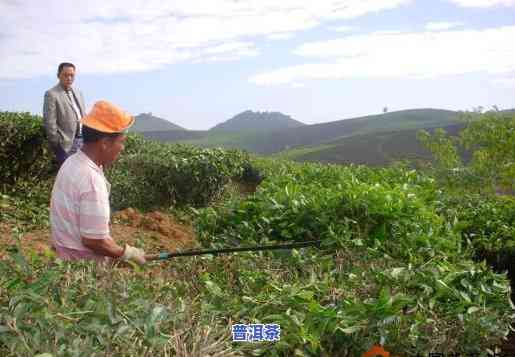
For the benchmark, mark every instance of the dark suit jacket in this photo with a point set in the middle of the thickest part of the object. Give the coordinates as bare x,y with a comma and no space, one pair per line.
59,118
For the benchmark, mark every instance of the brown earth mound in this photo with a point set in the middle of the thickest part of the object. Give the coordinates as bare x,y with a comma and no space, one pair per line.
155,232
156,222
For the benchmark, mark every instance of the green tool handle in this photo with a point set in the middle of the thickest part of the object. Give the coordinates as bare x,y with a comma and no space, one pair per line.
189,253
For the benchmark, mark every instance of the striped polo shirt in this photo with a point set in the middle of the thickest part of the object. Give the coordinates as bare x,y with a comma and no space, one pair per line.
79,207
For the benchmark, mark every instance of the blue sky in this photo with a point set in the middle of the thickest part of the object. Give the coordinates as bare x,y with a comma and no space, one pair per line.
198,63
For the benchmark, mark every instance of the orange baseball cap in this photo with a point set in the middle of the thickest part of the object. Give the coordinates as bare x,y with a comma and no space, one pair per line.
107,118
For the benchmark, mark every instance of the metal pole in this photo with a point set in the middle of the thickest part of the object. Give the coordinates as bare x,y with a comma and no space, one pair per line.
187,253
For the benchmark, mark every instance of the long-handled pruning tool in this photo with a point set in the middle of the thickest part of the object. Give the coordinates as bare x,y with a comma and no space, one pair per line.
188,253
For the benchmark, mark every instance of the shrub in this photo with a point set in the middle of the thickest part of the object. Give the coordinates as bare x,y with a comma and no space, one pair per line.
392,269
24,154
151,174
490,138
486,222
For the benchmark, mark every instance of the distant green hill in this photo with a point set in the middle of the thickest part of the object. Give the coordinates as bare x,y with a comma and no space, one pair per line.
269,142
175,135
147,122
374,149
322,133
249,120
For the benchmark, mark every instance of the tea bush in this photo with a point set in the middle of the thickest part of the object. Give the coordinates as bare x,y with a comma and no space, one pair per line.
485,222
85,310
311,201
24,153
401,254
151,174
329,302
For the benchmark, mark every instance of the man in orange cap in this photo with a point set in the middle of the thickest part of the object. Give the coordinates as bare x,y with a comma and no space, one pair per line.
79,206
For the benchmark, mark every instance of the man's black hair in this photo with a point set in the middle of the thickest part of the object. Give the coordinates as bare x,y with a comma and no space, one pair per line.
62,65
90,135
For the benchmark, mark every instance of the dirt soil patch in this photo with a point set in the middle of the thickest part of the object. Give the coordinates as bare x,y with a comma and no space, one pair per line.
155,232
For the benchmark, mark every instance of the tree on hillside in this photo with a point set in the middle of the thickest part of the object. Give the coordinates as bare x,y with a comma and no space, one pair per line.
443,147
489,137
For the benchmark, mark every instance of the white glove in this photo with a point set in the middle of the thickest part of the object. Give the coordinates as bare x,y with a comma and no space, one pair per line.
134,254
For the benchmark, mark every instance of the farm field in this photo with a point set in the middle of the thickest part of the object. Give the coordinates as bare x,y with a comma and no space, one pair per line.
405,262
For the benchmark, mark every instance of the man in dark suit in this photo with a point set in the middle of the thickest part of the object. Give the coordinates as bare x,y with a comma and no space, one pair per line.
63,109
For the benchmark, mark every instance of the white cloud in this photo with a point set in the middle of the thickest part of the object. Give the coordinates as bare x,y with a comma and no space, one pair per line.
387,32
141,35
280,36
508,82
442,25
230,51
342,28
297,85
483,3
407,55
238,48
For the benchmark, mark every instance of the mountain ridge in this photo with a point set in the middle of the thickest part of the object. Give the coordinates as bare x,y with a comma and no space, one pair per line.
250,120
147,122
272,141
